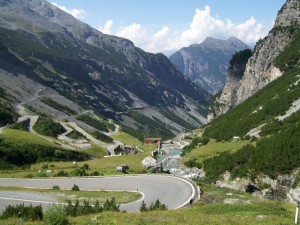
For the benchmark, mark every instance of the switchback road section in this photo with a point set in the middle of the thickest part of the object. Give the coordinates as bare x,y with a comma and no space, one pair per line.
172,191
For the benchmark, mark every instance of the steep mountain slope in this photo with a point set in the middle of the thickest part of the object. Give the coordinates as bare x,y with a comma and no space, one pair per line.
47,52
269,164
260,69
206,64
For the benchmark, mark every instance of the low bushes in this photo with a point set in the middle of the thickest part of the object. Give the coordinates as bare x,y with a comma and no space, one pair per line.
27,212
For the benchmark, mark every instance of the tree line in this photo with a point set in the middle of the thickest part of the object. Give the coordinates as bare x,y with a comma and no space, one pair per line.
273,155
13,155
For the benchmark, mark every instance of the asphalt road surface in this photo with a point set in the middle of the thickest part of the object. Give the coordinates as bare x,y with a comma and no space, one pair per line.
172,191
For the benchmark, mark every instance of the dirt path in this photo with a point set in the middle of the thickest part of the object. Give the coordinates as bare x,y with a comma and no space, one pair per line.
294,108
90,137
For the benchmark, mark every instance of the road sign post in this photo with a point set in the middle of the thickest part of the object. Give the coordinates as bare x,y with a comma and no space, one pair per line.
297,211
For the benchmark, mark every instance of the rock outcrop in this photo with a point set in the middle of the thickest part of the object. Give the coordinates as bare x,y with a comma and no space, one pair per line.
284,187
260,69
150,163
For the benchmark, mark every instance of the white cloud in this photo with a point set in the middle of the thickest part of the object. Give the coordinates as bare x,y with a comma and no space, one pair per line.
203,25
77,13
132,31
107,29
158,40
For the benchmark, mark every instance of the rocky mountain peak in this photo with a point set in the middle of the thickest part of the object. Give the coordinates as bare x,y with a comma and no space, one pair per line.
260,69
289,14
206,63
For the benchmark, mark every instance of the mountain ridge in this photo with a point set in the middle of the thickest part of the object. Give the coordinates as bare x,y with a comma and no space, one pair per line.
97,71
256,76
206,63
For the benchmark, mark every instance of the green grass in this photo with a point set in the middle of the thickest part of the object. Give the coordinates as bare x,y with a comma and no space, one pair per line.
209,210
24,137
215,148
105,166
91,196
127,139
95,150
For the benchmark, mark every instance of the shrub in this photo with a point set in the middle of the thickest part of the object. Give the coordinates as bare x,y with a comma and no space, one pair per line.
90,120
153,206
85,166
84,209
56,215
75,188
55,187
79,172
111,205
96,173
143,207
41,174
102,137
192,162
48,127
76,135
45,166
62,174
28,212
21,126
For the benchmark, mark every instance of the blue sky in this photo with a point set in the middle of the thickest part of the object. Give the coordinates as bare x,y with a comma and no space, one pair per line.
168,25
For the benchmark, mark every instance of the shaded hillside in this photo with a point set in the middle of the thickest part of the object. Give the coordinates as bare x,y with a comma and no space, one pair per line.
44,48
275,109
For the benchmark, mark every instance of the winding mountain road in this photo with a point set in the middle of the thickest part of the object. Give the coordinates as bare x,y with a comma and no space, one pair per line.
174,192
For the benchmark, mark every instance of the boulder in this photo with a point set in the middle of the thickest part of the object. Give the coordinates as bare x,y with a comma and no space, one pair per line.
149,163
122,168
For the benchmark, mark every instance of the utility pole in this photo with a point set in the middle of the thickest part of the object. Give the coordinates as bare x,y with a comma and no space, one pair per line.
20,218
157,131
145,132
297,211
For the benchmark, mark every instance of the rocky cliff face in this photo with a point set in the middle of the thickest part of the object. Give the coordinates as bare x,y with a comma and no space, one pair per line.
206,64
283,188
260,69
51,49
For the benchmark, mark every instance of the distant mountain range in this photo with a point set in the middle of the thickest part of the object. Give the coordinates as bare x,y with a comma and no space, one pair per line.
207,63
46,52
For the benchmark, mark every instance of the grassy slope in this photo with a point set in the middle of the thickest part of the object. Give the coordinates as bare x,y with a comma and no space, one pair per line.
127,139
276,151
95,150
265,105
91,196
215,148
24,137
105,166
209,210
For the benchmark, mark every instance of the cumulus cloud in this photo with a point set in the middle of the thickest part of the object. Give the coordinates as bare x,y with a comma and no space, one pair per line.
77,13
107,29
203,25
